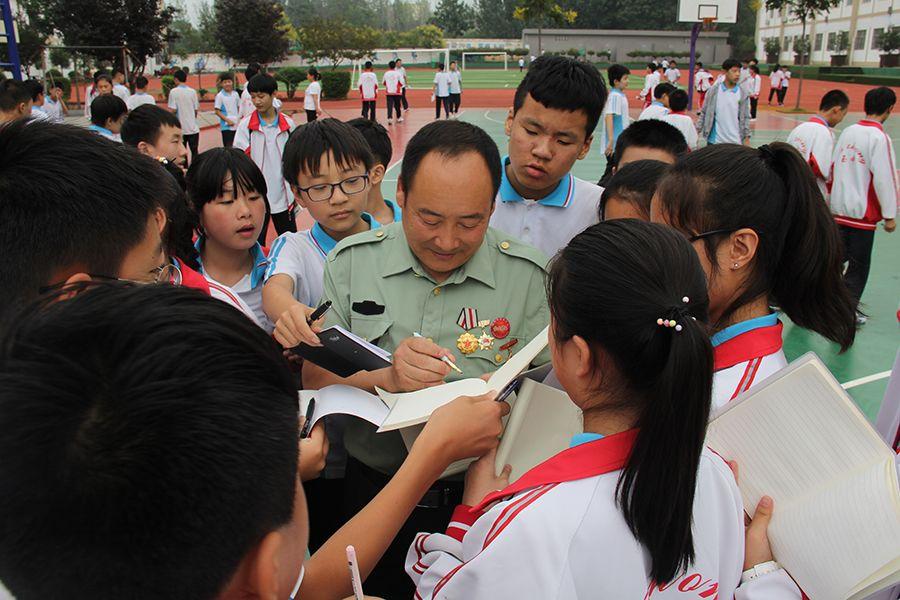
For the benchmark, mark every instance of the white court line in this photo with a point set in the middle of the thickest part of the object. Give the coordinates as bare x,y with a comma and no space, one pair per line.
388,170
865,380
487,115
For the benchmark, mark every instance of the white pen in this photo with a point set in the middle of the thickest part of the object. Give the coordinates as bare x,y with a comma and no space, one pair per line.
444,359
355,580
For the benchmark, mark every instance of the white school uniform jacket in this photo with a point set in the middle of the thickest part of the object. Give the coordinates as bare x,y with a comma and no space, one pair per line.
865,183
558,533
393,82
368,86
650,82
455,82
265,145
702,80
744,360
140,99
656,110
249,288
672,76
442,84
754,84
550,223
122,92
685,124
617,106
815,141
246,107
194,280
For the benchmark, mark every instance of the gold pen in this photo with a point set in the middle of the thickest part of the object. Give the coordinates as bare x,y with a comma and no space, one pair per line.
446,360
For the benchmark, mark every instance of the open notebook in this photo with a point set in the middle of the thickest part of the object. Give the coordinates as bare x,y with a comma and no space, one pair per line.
413,408
799,438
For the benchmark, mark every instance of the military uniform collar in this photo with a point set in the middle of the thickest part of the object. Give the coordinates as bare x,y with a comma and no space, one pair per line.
400,259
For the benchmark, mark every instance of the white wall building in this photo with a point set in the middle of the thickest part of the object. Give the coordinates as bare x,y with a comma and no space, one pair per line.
863,20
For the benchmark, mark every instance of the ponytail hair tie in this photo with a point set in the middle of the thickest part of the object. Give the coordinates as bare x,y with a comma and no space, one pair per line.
767,154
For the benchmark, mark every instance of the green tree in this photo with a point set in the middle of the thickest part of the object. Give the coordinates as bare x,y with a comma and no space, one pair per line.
423,36
336,41
492,19
804,10
264,38
542,12
60,58
209,40
454,17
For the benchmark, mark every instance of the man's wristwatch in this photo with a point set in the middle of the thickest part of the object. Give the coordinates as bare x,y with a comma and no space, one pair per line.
759,570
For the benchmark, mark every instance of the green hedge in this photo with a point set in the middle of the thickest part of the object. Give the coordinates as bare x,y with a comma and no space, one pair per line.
292,77
168,82
335,85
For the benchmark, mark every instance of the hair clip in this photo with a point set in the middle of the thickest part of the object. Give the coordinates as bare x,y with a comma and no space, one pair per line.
685,299
669,323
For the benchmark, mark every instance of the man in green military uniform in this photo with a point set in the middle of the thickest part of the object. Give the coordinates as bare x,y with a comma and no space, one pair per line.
473,294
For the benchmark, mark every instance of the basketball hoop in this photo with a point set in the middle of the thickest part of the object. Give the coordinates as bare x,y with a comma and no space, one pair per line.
709,24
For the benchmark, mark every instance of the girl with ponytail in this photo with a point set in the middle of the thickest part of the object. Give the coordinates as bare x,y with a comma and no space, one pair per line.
764,237
636,507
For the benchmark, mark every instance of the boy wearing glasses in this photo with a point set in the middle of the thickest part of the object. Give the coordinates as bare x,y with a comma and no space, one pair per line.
262,135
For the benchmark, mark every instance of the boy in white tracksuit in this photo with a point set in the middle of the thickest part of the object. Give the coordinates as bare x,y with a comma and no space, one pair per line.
864,191
815,138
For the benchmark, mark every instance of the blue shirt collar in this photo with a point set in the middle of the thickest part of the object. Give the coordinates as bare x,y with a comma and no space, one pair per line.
732,331
733,90
657,103
325,243
560,197
617,91
101,130
260,262
398,212
584,438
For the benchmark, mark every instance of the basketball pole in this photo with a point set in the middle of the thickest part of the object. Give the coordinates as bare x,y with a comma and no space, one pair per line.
695,33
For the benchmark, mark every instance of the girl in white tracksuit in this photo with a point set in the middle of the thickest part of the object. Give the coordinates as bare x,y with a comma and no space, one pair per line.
636,507
764,236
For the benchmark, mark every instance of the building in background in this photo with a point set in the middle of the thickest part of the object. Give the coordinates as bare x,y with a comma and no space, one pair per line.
862,20
712,46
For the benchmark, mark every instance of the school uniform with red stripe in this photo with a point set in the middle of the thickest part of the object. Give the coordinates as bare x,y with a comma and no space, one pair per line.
815,141
745,354
558,532
194,280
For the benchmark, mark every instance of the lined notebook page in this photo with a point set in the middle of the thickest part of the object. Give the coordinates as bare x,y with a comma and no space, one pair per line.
799,439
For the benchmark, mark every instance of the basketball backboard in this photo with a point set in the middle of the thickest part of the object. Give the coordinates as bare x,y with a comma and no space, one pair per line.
721,11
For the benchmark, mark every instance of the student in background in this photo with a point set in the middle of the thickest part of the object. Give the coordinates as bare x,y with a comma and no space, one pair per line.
227,106
725,118
679,119
119,87
156,133
368,91
628,193
262,135
702,82
383,210
108,112
455,88
754,84
651,80
184,103
103,85
615,118
521,64
15,100
441,92
648,140
785,84
404,84
775,79
246,106
815,138
393,89
55,105
37,99
660,105
312,97
555,111
755,217
865,187
140,96
672,74
628,348
187,490
227,193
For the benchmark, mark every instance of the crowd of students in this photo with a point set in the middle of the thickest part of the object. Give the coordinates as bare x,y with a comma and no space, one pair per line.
150,432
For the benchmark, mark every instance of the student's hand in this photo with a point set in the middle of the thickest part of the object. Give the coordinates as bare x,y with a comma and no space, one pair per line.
756,539
609,149
291,328
481,481
890,225
417,365
313,451
466,427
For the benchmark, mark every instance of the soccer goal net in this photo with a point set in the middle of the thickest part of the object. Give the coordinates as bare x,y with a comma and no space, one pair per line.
491,60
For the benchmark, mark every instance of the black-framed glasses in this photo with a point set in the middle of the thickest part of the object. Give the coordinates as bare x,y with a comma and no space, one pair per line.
324,191
706,234
165,273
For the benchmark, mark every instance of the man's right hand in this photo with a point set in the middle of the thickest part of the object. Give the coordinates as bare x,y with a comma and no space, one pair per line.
417,365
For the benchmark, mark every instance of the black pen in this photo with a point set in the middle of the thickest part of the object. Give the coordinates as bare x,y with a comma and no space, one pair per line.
307,424
317,314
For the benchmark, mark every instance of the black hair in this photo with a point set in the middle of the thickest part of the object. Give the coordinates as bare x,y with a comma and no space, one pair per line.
391,64
206,176
136,465
754,68
107,107
771,190
53,213
35,87
440,66
730,63
377,137
104,76
663,89
309,145
563,83
651,66
673,62
834,98
450,139
262,84
141,82
368,64
12,94
452,62
635,183
879,100
650,133
678,100
56,83
180,76
251,71
226,75
117,71
145,123
777,66
616,73
662,374
699,64
315,73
